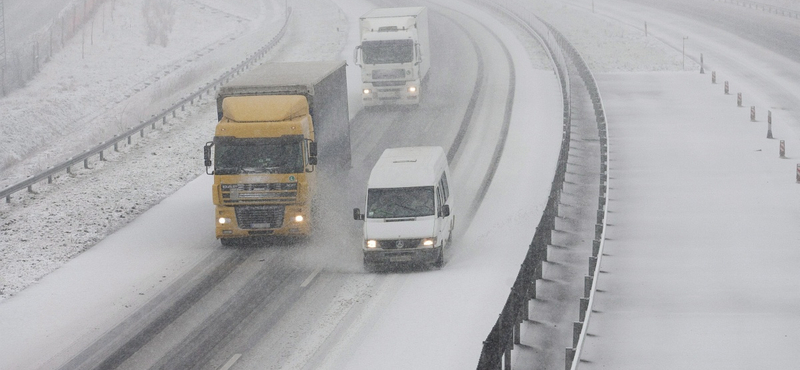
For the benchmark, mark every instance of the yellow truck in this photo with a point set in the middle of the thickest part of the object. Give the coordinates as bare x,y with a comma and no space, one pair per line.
275,121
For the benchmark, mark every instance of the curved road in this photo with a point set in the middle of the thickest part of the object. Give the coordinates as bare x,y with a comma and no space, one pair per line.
296,306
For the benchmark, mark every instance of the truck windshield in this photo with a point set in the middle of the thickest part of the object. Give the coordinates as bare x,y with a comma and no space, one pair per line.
260,155
400,202
388,51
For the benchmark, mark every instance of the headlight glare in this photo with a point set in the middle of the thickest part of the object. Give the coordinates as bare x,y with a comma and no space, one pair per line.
428,242
298,218
372,244
412,89
224,220
367,91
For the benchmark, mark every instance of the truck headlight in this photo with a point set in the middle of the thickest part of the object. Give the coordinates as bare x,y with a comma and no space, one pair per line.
371,244
298,218
224,220
412,89
367,91
428,243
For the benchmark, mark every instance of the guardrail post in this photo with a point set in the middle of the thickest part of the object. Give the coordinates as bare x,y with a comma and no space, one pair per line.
782,150
798,172
739,99
713,77
583,306
595,247
101,156
726,88
592,265
587,286
752,113
141,133
129,139
50,179
576,332
568,358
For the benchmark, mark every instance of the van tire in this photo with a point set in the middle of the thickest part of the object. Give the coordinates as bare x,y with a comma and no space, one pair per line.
439,262
370,266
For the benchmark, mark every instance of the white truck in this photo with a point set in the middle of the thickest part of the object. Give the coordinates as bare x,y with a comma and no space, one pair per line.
394,55
408,216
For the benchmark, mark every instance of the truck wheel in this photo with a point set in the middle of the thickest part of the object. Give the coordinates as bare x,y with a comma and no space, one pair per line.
229,242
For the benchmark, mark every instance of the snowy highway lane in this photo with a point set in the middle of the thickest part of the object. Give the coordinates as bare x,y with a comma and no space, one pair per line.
162,293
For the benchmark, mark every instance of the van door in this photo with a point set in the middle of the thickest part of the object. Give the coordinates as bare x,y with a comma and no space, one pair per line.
443,196
442,223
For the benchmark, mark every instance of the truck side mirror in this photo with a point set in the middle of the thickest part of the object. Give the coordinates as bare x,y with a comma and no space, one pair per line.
444,211
312,149
207,156
312,161
357,215
355,56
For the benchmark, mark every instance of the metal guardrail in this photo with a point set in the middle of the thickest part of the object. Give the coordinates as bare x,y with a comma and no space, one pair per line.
140,129
496,352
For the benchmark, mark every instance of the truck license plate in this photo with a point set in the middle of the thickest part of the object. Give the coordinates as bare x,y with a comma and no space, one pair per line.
400,259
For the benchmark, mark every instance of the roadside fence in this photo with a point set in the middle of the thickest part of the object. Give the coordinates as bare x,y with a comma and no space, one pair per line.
151,124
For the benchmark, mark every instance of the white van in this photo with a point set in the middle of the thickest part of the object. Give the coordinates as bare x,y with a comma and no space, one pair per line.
409,208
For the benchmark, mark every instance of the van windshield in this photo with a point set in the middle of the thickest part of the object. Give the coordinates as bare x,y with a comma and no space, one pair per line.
400,202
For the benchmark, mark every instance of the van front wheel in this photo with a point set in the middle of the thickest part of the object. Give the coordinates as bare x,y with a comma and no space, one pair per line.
439,262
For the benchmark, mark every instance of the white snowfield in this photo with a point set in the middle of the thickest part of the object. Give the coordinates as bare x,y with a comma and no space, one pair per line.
699,270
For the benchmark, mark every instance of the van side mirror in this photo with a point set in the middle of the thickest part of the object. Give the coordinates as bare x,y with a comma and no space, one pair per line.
357,215
444,211
207,156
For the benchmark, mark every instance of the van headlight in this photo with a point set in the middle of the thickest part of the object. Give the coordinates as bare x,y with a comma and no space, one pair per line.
372,244
367,91
428,243
412,89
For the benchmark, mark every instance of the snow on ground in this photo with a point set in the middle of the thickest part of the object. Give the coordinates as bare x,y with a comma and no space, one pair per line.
41,232
703,218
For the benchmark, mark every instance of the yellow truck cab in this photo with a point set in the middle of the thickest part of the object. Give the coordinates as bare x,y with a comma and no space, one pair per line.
264,165
408,216
264,152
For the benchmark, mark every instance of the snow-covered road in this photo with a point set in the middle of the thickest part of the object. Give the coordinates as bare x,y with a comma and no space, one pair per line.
68,309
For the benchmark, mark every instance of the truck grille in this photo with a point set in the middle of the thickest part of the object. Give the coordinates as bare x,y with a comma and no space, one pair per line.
259,217
399,243
388,74
279,193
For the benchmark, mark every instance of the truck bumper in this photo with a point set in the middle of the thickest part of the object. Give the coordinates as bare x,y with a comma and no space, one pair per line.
407,94
264,220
